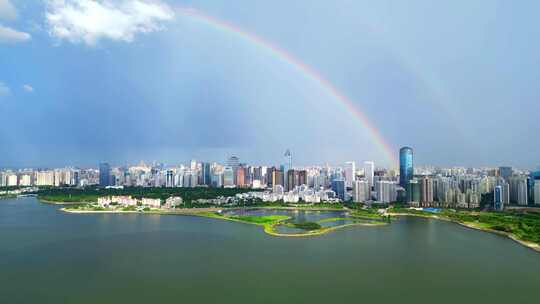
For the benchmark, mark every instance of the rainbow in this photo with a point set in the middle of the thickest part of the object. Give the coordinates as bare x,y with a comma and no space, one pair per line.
307,71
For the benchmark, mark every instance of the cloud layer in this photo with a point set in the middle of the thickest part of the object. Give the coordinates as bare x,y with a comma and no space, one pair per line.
90,21
4,90
28,88
9,35
7,10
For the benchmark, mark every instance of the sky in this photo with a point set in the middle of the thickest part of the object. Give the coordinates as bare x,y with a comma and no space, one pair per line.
86,81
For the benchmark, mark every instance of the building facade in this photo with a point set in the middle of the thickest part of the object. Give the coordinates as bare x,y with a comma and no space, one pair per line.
406,166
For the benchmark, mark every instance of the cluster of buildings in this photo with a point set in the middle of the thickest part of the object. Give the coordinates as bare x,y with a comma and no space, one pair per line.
419,187
49,177
129,201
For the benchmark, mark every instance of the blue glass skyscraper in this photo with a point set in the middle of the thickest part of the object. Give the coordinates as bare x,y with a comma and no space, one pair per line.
338,186
406,169
104,175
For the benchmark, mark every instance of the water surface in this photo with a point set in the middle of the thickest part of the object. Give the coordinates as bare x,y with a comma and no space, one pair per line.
47,256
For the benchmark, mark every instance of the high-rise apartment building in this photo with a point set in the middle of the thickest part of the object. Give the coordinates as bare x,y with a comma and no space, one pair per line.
369,172
350,173
361,191
426,186
386,191
537,193
518,190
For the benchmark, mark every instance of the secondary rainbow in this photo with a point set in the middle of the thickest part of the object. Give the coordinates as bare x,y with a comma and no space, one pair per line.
306,70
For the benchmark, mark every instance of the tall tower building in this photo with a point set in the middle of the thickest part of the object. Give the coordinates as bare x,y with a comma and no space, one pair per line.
169,179
361,191
350,173
537,193
288,156
206,174
498,198
505,172
369,172
338,186
233,162
228,177
104,175
427,191
406,169
241,176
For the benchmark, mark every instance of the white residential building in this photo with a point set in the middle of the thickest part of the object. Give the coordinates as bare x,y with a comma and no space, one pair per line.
151,202
361,191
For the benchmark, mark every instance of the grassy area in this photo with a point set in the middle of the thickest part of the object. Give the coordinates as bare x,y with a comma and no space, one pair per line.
523,225
368,213
91,194
267,221
280,203
260,220
307,226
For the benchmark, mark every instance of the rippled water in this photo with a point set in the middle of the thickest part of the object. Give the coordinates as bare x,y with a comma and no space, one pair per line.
47,256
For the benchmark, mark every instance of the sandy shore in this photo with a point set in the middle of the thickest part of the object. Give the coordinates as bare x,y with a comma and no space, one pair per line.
531,245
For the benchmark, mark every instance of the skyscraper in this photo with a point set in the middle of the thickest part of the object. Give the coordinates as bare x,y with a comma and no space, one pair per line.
413,191
505,172
291,180
501,196
241,176
206,174
228,177
406,169
169,179
338,186
534,183
233,162
104,175
537,193
518,190
426,187
386,191
350,173
361,191
498,199
369,171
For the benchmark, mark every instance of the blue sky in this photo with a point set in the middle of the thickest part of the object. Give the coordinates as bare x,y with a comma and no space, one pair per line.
84,81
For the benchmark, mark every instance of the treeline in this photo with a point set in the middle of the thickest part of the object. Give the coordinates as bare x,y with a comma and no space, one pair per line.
524,225
91,194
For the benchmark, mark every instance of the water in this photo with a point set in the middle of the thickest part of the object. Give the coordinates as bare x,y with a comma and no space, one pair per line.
47,256
297,216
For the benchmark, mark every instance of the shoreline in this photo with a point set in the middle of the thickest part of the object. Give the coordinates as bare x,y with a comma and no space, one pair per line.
200,212
530,245
203,212
61,203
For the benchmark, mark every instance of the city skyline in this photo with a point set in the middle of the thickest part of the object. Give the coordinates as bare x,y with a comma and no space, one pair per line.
468,188
240,151
355,83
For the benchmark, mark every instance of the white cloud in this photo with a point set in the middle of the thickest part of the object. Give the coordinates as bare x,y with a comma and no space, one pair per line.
89,21
9,35
4,89
7,10
28,88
